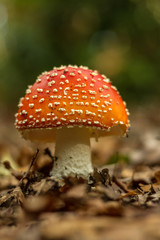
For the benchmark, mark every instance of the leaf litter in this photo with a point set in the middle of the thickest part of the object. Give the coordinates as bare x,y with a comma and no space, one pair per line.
120,201
35,205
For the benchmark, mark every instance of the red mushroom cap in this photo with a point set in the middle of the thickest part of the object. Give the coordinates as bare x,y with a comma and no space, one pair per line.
72,96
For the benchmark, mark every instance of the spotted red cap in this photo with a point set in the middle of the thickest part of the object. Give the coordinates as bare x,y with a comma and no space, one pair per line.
72,96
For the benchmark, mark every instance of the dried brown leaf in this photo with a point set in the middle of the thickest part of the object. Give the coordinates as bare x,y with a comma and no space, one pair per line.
14,197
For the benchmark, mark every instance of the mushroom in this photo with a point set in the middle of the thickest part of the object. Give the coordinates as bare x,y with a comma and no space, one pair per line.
68,105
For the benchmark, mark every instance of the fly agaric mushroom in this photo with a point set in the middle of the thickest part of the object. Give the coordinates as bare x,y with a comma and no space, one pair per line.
68,105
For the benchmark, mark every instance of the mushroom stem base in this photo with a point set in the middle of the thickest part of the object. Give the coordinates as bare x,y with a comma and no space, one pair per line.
73,153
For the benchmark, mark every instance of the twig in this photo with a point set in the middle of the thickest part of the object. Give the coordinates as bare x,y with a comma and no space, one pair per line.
120,184
30,166
41,187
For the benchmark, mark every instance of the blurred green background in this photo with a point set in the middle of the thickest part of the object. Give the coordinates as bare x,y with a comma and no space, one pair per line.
120,38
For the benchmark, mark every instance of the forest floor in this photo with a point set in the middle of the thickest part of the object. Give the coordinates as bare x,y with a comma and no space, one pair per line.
120,201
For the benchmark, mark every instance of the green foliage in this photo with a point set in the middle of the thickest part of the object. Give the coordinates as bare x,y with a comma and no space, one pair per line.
118,158
119,38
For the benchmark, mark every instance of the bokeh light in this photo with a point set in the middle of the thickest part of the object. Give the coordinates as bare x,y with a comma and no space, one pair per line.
119,38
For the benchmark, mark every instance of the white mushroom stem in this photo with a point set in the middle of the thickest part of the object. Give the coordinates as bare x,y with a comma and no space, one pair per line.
73,153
